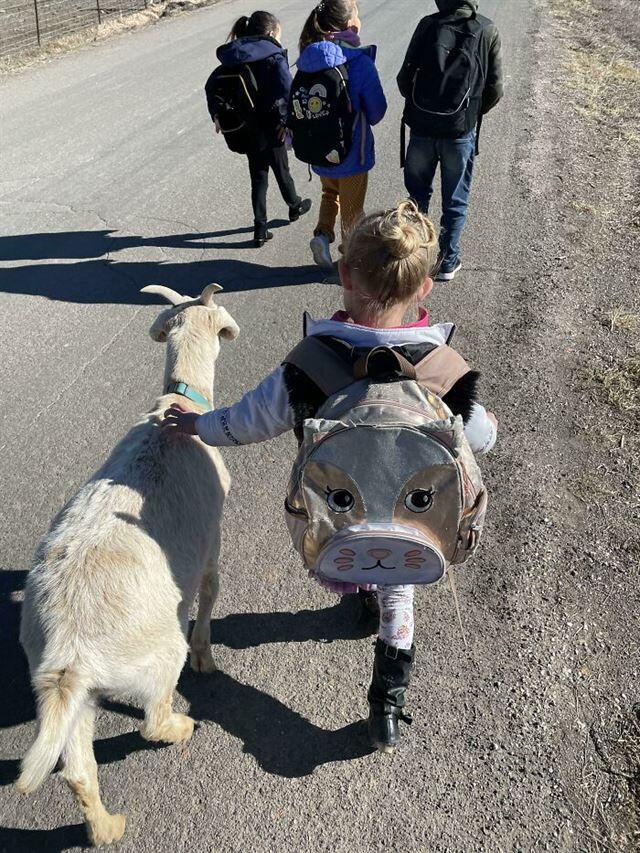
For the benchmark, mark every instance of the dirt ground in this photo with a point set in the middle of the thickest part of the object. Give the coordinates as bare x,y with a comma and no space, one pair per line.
583,173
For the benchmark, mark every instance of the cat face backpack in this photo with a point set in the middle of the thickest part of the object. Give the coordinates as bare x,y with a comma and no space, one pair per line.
385,488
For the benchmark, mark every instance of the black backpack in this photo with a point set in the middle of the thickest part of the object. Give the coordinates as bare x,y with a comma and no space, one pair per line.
321,116
232,98
447,78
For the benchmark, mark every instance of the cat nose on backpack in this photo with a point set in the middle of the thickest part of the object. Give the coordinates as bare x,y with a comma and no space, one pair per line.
379,553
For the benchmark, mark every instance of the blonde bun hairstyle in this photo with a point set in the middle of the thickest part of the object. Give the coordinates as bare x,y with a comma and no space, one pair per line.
391,253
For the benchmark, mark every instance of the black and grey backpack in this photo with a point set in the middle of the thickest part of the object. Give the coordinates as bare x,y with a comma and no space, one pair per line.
320,116
232,98
443,76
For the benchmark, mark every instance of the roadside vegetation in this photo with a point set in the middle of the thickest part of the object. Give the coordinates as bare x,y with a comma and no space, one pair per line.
111,26
599,45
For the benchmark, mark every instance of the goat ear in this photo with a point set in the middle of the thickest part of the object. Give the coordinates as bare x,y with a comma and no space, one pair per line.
208,293
226,325
158,331
171,296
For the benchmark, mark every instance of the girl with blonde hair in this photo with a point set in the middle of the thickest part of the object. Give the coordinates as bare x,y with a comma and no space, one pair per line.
389,258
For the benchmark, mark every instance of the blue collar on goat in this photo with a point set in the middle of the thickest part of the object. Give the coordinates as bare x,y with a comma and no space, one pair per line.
186,391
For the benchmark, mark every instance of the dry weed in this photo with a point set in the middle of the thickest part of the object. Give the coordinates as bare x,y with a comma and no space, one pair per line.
620,383
619,319
109,28
614,782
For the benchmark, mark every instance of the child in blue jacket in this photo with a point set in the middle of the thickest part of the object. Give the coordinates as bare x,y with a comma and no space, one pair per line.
329,38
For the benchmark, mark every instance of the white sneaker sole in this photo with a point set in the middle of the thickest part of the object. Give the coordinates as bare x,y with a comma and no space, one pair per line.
321,254
449,276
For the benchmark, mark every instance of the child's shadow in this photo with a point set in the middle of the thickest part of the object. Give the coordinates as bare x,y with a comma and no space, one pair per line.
282,741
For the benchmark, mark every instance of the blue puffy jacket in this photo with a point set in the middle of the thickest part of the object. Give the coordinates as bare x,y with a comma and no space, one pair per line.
367,97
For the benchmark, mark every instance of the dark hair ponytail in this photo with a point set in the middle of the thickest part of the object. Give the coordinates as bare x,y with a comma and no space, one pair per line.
329,16
259,24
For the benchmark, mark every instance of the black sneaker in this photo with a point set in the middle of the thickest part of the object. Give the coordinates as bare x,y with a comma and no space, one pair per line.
448,274
299,210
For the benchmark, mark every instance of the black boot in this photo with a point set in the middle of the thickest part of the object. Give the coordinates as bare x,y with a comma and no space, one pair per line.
391,675
261,235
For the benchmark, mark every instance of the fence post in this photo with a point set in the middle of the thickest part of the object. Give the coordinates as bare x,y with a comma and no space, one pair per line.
99,14
35,8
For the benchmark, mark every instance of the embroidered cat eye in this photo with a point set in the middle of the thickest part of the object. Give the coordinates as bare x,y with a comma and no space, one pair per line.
419,500
340,500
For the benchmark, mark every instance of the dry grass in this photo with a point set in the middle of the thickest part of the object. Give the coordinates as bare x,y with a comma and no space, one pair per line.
110,27
621,320
613,782
620,384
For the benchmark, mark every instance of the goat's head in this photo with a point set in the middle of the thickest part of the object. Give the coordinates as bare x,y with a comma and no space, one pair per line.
202,310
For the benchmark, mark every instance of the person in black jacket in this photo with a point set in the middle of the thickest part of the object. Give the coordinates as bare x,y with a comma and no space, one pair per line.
446,133
254,41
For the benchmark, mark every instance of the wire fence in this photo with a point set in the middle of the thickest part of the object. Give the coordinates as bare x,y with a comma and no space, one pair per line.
31,23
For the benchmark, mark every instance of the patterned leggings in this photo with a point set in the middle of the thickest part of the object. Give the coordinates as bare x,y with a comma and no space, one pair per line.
396,615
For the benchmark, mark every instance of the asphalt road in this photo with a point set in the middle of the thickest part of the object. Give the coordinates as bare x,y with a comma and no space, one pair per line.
111,178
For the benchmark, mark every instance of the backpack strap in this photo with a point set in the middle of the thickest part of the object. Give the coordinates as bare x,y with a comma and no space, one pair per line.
330,371
383,361
441,369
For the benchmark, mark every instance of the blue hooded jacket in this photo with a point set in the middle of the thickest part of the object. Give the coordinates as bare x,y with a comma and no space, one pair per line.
270,66
367,97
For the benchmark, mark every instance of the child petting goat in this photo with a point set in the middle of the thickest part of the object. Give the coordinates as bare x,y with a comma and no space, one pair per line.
107,601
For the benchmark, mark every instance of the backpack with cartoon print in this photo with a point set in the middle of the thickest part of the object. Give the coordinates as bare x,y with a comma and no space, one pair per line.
320,116
385,488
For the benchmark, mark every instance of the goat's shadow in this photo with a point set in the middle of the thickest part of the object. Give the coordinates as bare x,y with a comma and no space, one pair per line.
283,742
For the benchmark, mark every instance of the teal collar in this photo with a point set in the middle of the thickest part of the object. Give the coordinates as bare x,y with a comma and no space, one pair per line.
186,391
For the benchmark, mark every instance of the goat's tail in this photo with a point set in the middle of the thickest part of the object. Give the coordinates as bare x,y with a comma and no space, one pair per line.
61,695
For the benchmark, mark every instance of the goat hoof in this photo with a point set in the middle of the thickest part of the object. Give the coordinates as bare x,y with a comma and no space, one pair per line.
107,830
202,661
177,728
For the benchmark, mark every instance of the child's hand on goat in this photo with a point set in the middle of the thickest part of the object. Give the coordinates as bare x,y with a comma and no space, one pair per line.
180,419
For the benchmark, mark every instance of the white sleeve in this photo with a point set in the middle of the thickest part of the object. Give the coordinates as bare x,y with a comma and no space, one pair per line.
480,431
261,414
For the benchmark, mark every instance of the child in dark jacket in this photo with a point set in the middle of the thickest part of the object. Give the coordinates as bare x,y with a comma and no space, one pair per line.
330,38
255,41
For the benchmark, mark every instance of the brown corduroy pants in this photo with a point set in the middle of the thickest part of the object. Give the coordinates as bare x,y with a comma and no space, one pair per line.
344,197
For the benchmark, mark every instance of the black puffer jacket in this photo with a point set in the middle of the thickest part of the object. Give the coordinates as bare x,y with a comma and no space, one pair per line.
490,50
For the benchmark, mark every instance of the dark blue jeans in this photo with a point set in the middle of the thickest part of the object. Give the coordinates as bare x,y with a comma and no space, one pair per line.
456,157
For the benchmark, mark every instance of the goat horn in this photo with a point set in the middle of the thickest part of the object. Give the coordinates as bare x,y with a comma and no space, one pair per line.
208,293
171,296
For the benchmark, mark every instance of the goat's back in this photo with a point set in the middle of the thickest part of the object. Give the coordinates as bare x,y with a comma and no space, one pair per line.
125,549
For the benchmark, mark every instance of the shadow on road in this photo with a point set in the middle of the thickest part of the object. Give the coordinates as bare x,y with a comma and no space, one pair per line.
96,276
245,630
17,705
283,742
43,840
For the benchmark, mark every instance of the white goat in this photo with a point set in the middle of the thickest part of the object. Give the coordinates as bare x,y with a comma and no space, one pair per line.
107,600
